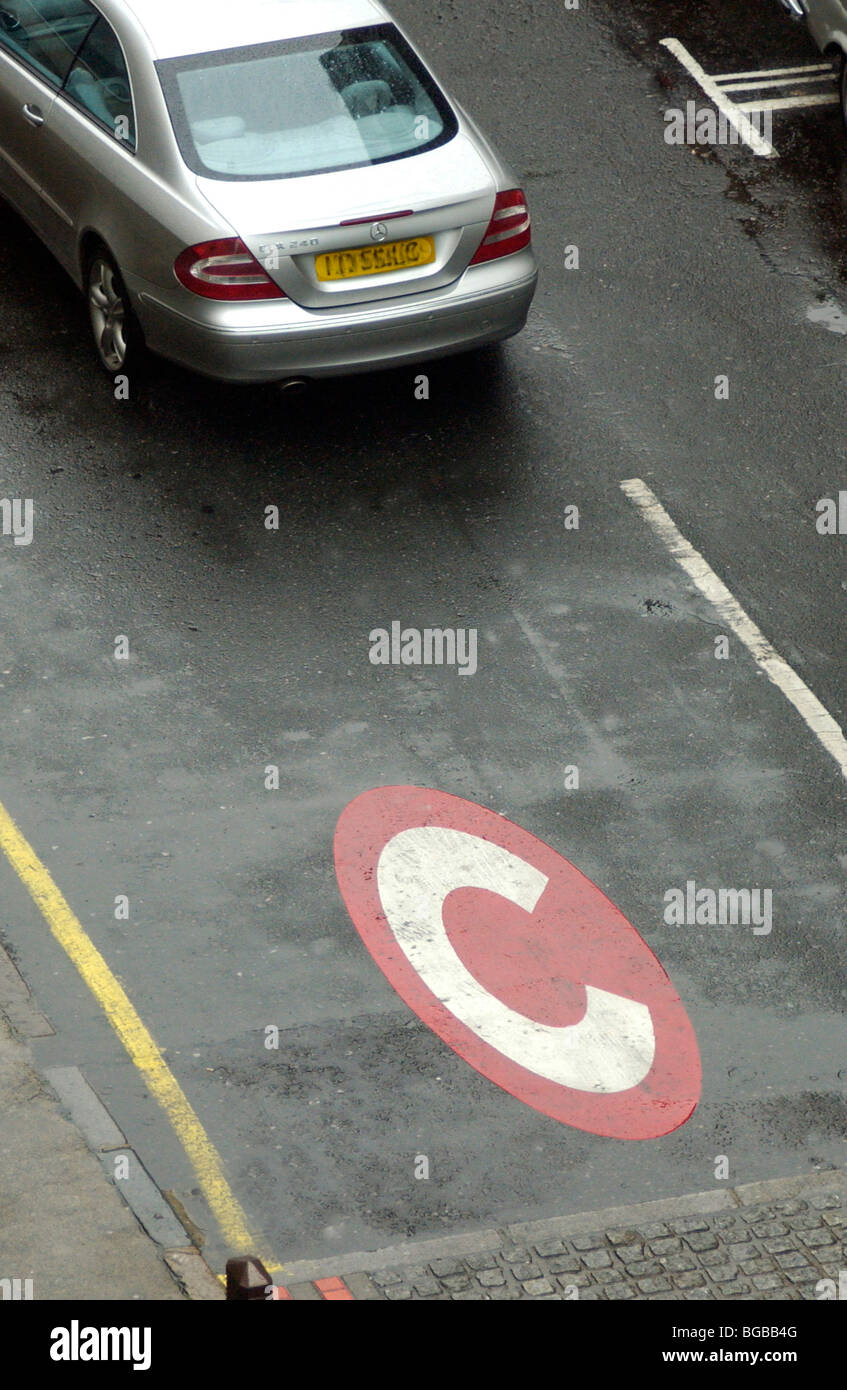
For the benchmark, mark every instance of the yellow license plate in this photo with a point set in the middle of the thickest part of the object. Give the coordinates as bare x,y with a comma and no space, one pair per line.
375,260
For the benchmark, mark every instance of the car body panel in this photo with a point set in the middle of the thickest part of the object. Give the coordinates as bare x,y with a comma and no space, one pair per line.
483,307
20,142
827,23
447,192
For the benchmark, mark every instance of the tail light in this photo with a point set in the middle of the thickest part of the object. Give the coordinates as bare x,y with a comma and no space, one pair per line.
225,270
509,229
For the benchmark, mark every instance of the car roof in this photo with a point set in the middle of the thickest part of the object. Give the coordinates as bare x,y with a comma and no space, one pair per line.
177,28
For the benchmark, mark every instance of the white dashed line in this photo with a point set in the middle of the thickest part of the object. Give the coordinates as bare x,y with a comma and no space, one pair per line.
777,670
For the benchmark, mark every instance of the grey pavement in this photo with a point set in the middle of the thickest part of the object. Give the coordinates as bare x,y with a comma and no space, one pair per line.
63,1223
780,1240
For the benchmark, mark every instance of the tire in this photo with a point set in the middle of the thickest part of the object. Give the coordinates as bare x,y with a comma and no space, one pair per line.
117,335
842,87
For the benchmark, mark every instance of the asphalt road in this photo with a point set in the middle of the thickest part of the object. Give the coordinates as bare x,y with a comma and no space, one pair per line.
250,647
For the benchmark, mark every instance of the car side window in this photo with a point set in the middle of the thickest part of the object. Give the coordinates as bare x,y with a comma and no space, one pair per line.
99,82
45,34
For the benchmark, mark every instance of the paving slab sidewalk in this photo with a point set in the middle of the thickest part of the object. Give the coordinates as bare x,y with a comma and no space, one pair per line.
773,1240
63,1222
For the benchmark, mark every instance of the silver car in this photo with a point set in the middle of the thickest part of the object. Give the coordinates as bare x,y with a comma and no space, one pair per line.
258,191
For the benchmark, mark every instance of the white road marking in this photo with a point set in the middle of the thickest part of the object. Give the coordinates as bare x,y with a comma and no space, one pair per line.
786,103
827,76
777,670
774,72
611,1048
737,118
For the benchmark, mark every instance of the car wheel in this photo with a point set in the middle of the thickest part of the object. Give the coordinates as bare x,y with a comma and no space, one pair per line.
117,335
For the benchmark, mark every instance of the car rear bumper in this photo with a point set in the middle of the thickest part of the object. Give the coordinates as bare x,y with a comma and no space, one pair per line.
277,339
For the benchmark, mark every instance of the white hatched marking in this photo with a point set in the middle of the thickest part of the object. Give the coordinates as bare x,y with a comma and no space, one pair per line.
717,87
737,118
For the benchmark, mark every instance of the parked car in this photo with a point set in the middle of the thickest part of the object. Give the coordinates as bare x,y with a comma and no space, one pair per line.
259,191
827,23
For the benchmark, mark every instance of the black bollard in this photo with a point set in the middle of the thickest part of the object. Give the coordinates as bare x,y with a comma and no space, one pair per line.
246,1279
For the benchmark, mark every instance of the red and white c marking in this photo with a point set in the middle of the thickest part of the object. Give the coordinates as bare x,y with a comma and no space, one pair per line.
518,962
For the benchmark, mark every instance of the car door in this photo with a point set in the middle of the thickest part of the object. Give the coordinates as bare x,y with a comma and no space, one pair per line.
25,97
38,43
89,167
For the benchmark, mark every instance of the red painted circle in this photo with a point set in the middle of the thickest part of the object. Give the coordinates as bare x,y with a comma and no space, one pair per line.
536,963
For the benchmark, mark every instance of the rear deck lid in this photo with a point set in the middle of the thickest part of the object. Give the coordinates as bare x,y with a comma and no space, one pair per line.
336,159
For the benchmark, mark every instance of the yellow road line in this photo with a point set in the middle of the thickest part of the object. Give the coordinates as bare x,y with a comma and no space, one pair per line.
135,1037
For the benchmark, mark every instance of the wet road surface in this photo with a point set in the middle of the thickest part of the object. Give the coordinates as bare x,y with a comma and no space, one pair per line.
249,648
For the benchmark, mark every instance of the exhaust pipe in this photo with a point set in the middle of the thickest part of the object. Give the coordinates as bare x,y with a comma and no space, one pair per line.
295,385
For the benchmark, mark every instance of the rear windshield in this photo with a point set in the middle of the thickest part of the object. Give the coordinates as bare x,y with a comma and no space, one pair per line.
307,106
